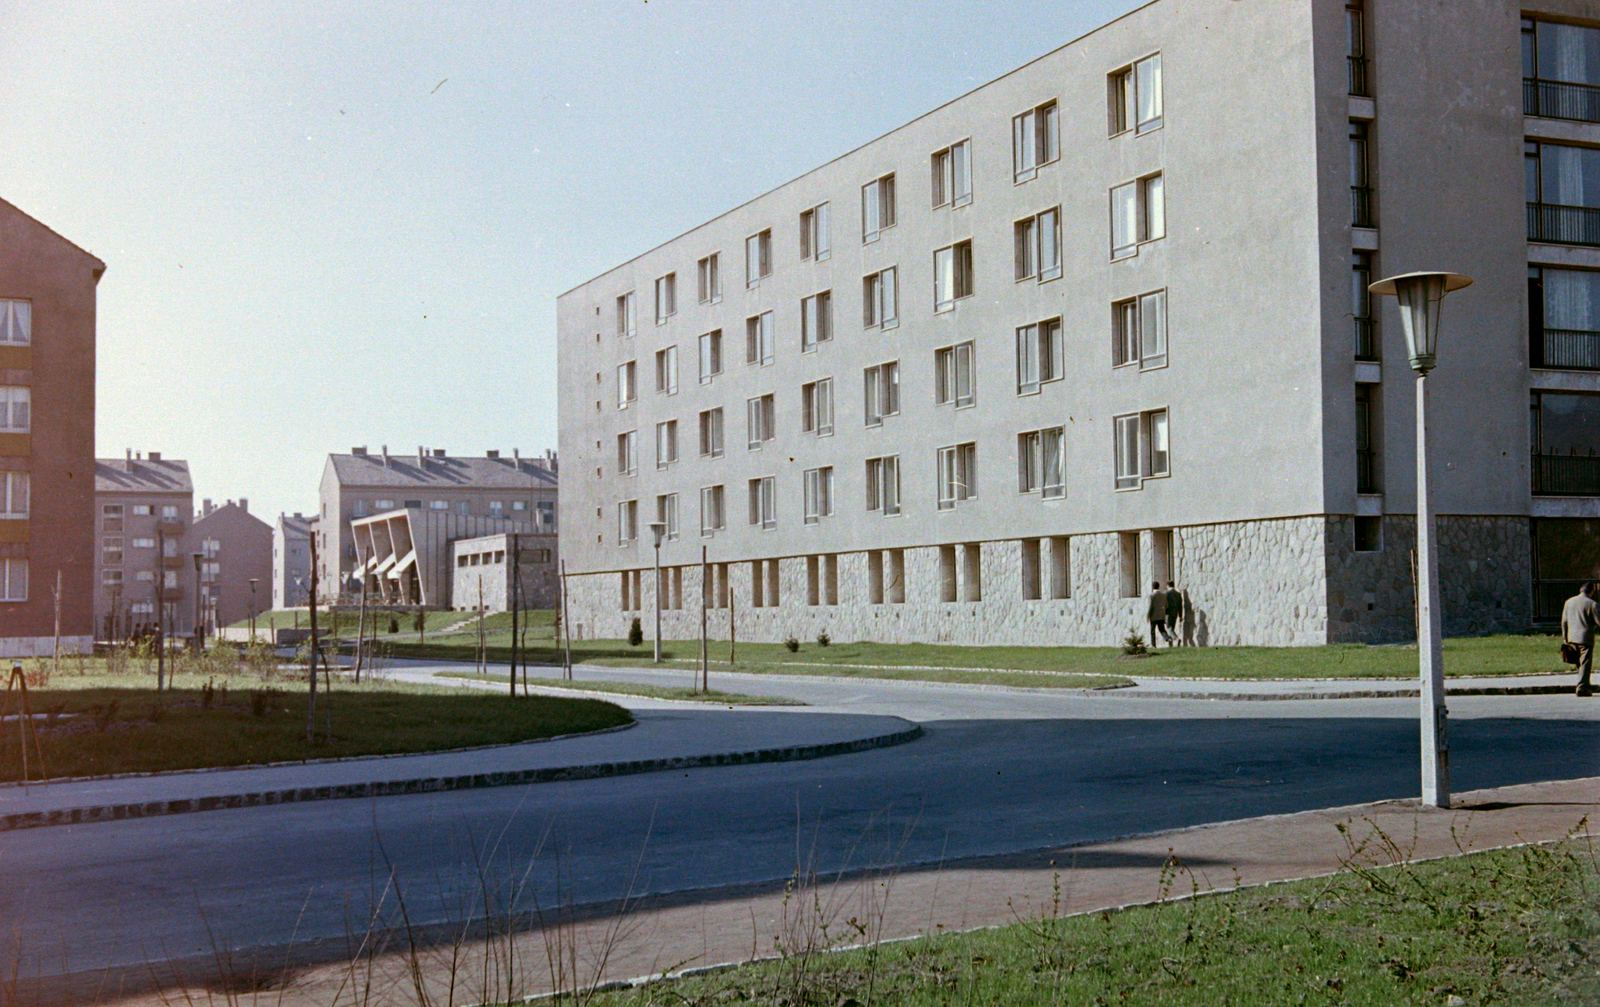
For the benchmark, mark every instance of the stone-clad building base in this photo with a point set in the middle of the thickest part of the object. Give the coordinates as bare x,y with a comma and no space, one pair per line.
41,646
1284,582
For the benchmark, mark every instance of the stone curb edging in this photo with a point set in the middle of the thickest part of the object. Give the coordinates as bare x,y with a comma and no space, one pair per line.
1248,697
554,774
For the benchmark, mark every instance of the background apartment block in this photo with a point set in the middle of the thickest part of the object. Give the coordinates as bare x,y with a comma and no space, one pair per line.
521,492
47,396
235,565
144,511
291,560
1103,321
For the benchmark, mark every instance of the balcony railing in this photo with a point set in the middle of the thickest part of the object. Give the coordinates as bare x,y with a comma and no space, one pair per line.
1566,475
1570,349
1566,225
1550,595
1361,206
1366,339
1558,100
1358,77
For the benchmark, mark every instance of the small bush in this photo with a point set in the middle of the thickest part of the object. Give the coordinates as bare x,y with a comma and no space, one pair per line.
1134,644
823,639
635,633
792,644
208,694
261,701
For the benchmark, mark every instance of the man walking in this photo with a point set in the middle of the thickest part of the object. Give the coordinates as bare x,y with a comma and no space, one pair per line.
1580,617
1157,614
1174,614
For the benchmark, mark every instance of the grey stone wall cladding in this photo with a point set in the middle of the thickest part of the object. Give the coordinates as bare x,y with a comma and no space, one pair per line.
1256,582
1485,567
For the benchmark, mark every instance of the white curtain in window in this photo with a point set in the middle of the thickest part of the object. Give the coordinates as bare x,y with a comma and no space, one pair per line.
961,173
1569,53
1571,175
16,322
1028,358
1124,217
888,306
1053,466
944,277
1571,299
1155,209
1153,327
1148,85
1024,143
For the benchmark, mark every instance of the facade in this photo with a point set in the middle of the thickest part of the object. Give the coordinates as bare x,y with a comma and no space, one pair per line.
47,397
291,560
235,565
408,556
1103,321
481,572
143,515
516,491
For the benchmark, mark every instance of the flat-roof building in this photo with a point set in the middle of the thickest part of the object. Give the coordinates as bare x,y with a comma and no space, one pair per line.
1103,321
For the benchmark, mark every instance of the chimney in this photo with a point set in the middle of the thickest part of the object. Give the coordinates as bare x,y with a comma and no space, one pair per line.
205,507
360,452
155,456
438,452
244,504
516,459
386,456
492,454
422,457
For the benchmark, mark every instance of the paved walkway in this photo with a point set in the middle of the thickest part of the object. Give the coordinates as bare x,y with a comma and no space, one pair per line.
1336,688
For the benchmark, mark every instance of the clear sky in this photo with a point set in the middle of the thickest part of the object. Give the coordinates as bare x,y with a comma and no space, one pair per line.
337,224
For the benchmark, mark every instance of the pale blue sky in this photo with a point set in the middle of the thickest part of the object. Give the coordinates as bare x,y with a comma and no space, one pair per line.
313,243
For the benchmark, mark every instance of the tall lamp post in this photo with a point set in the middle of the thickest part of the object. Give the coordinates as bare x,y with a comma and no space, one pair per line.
658,529
253,581
1420,296
199,637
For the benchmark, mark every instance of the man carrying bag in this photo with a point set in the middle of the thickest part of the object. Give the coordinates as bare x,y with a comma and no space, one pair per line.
1580,617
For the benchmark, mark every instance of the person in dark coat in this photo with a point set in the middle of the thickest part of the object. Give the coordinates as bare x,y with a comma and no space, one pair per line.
1174,614
1157,614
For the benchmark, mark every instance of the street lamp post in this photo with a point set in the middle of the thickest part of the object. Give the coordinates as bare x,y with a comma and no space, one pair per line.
658,529
253,581
1420,296
199,639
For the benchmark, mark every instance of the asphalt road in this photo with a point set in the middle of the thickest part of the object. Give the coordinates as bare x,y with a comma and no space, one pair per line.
994,780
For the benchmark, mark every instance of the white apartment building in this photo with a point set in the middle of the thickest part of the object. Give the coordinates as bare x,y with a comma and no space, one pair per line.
1103,321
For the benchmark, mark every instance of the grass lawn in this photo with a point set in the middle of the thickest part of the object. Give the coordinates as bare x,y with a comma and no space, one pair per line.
635,689
1513,926
1068,667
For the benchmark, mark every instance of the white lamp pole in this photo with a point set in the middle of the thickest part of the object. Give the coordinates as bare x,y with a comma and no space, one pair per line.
658,529
1420,296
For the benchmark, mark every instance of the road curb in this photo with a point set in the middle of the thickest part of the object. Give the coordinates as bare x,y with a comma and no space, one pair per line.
1256,697
438,784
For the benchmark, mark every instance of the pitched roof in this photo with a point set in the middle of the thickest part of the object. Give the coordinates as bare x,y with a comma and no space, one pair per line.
141,475
232,512
442,472
296,525
94,260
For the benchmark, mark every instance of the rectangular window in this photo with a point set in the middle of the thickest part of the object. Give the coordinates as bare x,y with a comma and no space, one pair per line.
666,443
758,339
880,299
111,578
1565,436
438,505
952,275
764,502
710,273
713,512
141,510
1035,140
1564,318
711,433
710,355
627,453
667,514
1037,240
757,257
16,323
627,318
13,580
1361,214
1060,567
881,396
1135,96
1139,330
958,474
15,402
1040,355
955,375
1368,477
111,517
883,484
760,420
1356,37
816,241
667,371
627,384
383,505
1138,214
1362,320
877,207
1032,582
1041,463
952,175
818,492
1142,448
666,297
14,498
816,407
816,320
111,551
627,521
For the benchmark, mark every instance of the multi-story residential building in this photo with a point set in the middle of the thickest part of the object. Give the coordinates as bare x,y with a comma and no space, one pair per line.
47,396
291,560
235,548
144,512
519,491
1104,321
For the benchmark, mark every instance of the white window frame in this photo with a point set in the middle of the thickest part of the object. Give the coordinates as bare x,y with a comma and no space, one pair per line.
1041,352
713,510
955,375
710,355
667,514
1139,331
816,238
16,322
666,297
757,257
1138,214
628,453
666,443
763,492
627,522
1037,241
816,407
709,273
627,383
881,392
667,370
952,275
883,485
711,433
1041,462
16,409
880,299
1142,446
1035,140
817,490
758,339
13,580
627,315
14,491
1136,87
957,468
952,175
760,423
878,212
816,320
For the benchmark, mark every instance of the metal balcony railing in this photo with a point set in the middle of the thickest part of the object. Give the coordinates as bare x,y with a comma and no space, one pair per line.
1559,100
1361,206
1565,225
1550,595
1358,77
1366,339
1566,475
1571,349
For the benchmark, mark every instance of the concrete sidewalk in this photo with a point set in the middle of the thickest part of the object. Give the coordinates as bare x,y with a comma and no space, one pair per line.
658,740
690,931
1237,690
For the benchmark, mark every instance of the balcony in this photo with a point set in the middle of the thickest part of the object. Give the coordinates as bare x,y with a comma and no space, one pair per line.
1361,206
1568,349
1366,339
1551,99
1550,595
1564,225
1358,77
1566,475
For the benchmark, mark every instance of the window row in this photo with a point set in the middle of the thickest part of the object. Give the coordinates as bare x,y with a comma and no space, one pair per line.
361,508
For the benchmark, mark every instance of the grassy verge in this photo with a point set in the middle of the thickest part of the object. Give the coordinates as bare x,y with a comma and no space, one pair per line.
635,689
1514,926
1464,657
